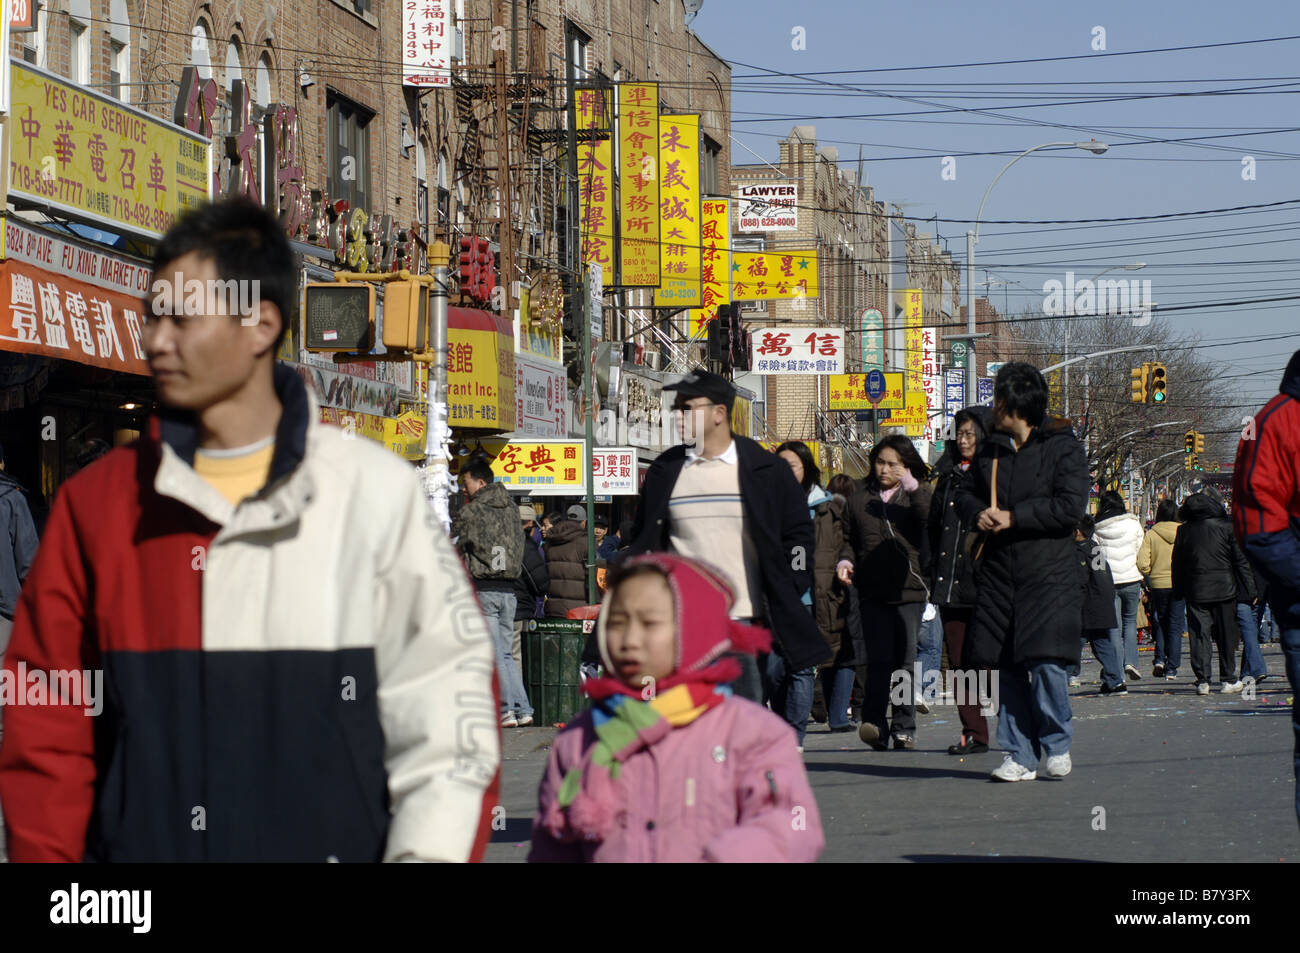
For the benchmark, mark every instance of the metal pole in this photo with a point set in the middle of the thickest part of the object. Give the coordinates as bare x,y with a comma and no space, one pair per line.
1066,356
972,375
437,435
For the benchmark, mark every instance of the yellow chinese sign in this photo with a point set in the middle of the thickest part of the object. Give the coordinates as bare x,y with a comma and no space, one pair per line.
545,467
404,435
94,158
596,179
849,392
913,340
480,371
913,416
679,212
638,228
767,276
715,252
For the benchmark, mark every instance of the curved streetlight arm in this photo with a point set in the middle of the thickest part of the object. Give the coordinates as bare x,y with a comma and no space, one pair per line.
980,213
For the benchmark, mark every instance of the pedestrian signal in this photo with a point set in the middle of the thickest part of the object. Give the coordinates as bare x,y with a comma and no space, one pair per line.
1200,442
1140,377
1158,383
340,316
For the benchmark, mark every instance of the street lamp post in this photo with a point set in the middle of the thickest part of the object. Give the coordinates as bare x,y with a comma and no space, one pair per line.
972,239
1069,311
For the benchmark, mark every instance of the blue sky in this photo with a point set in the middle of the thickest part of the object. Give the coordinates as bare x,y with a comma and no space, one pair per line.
1192,260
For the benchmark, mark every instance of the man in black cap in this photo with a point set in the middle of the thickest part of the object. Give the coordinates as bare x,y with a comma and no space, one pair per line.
726,501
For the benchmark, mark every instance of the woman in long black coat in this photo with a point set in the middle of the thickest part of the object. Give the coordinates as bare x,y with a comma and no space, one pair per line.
1028,614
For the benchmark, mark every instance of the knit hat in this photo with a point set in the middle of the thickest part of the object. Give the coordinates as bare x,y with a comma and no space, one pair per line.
702,603
526,512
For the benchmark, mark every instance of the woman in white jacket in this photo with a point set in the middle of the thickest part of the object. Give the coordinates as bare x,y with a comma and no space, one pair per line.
1119,533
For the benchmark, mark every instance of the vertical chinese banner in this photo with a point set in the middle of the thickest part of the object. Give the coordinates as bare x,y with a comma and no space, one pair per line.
679,212
638,159
426,43
596,179
715,254
913,344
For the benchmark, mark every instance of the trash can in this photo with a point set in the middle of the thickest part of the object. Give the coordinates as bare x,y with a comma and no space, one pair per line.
552,662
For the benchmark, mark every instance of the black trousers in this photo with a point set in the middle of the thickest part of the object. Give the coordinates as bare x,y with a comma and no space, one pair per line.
1217,621
890,634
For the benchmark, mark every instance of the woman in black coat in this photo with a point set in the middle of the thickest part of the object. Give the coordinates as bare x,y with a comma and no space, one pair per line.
951,573
1028,614
887,531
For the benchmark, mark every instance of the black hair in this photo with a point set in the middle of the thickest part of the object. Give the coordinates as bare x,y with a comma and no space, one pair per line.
1167,512
625,570
625,530
812,473
553,517
843,484
1112,504
1022,392
90,451
246,243
906,452
479,468
1086,525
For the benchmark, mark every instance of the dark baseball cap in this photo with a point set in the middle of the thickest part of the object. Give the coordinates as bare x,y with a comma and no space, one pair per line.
699,383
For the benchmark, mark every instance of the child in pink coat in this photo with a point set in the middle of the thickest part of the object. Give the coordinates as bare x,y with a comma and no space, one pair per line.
668,765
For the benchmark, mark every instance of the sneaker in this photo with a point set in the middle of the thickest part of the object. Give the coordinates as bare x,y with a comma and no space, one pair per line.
1013,770
1058,766
921,706
1157,670
1120,689
799,748
1203,688
1232,688
1132,673
525,720
1170,676
1074,682
904,742
839,729
508,720
870,734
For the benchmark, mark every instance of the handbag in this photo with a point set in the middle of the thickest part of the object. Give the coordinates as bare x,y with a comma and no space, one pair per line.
977,550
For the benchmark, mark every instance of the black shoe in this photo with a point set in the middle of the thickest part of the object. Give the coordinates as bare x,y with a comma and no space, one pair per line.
1157,670
841,729
904,742
1120,689
968,746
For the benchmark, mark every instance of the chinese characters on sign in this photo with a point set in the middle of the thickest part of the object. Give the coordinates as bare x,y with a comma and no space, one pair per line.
872,323
542,468
94,158
715,255
596,178
541,409
768,208
849,392
638,228
613,471
931,379
679,212
765,276
913,346
480,370
798,351
426,44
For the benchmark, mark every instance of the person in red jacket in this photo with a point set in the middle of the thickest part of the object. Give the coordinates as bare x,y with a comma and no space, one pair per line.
1266,518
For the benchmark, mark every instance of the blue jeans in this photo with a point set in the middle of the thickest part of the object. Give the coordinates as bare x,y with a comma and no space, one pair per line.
1035,718
929,650
1127,598
1168,626
791,693
837,688
1252,660
1105,649
1291,651
499,612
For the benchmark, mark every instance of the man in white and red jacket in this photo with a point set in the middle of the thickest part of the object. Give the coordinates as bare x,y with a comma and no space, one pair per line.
1266,517
294,664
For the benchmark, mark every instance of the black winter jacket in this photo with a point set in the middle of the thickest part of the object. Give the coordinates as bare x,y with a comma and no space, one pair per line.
951,572
534,581
890,543
1098,588
1208,566
778,524
1030,601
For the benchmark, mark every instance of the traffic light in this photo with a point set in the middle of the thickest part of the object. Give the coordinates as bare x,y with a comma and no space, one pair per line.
477,268
1200,442
1189,442
1140,376
1193,462
406,316
340,316
1158,383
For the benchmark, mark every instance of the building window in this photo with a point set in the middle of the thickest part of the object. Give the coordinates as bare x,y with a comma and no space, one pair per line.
79,54
200,50
117,74
576,54
710,183
444,193
349,151
422,187
234,71
363,6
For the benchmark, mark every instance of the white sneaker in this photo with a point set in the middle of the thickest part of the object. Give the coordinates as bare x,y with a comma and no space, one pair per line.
1232,688
1203,688
508,720
1074,682
1013,770
1058,766
920,704
525,721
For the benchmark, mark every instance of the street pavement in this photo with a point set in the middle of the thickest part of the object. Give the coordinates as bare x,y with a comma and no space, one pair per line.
1177,777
